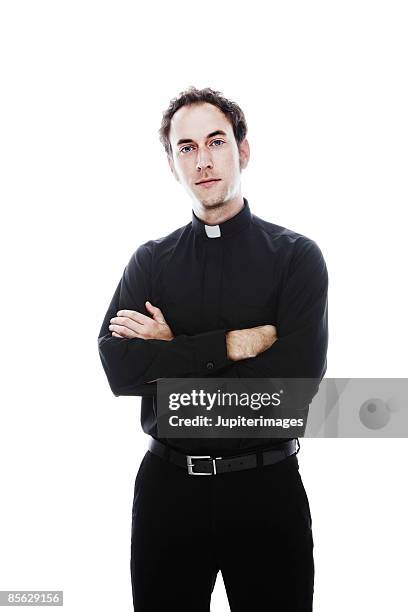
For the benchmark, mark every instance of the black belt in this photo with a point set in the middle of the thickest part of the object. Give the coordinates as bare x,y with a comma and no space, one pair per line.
204,465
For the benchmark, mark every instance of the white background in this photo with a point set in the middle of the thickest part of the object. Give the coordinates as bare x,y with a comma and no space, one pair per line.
85,181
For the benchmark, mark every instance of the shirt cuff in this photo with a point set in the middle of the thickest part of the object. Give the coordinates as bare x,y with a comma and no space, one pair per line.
210,350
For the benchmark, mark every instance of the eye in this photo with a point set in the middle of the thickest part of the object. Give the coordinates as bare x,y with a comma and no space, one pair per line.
186,147
217,140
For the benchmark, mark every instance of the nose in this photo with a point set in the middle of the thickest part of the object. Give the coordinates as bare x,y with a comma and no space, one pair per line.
203,160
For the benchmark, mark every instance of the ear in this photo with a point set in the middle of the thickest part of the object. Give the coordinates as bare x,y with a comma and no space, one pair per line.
244,154
172,168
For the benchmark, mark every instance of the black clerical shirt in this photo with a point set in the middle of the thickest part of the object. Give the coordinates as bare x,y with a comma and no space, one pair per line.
208,280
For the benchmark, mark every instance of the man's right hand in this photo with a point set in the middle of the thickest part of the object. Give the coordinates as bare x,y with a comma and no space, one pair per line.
245,343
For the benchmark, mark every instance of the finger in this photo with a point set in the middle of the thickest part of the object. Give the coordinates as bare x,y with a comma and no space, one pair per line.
157,313
159,318
127,322
135,315
124,332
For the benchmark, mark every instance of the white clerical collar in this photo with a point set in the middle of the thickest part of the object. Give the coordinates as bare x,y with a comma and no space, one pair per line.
212,231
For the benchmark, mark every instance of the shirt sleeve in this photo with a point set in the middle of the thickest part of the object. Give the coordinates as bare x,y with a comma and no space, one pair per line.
133,364
302,324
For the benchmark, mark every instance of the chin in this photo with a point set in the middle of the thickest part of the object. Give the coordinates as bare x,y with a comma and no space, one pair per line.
213,201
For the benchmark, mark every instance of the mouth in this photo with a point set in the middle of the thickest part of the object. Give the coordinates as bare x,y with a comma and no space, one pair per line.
207,182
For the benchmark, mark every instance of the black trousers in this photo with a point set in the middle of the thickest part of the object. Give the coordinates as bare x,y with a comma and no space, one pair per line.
254,526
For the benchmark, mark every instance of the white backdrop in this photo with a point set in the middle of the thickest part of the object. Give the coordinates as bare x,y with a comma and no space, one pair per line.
85,181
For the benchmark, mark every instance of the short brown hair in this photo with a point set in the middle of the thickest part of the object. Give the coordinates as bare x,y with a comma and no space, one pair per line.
192,95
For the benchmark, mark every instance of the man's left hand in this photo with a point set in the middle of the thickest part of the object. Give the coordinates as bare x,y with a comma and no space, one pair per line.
133,324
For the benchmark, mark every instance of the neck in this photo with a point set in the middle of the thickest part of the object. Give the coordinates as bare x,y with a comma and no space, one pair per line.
213,215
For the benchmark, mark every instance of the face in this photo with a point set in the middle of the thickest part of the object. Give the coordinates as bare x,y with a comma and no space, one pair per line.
204,147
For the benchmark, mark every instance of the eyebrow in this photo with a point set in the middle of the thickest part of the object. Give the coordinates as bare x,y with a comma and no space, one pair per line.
186,140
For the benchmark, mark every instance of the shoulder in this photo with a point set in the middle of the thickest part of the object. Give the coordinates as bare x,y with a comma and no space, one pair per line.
156,247
292,242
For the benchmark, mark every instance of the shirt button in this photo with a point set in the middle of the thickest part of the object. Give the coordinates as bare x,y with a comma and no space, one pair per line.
209,365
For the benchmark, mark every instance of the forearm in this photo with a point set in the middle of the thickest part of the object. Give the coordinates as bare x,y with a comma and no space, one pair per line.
130,363
297,362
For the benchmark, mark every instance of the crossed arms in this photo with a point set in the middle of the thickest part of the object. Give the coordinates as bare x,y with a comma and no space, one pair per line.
136,349
240,343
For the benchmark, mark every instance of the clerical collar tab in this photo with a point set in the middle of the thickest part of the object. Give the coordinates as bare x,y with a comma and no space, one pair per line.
212,231
233,225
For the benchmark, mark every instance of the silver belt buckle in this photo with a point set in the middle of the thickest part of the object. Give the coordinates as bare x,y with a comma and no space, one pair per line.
190,465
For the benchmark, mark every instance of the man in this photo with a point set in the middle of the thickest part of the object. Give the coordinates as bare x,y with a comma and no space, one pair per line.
227,295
